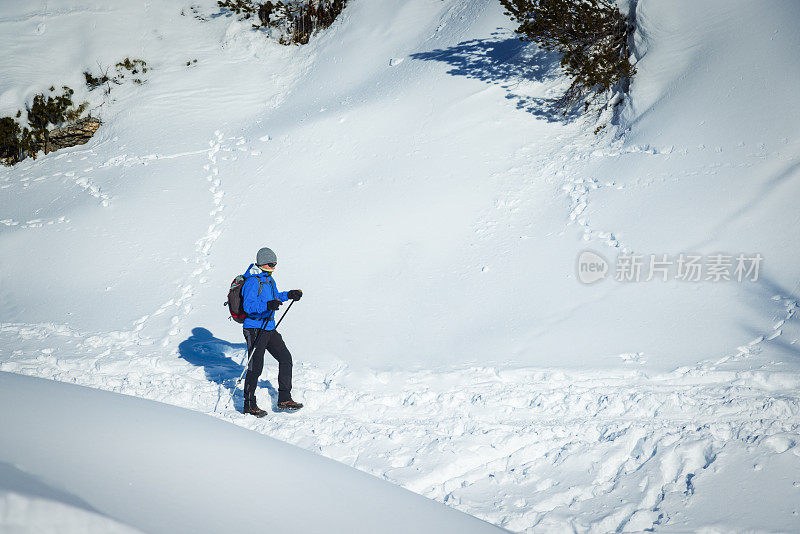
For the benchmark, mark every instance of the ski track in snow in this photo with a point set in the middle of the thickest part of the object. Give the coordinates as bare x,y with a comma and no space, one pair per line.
180,305
79,178
35,223
90,187
752,347
591,451
579,188
124,160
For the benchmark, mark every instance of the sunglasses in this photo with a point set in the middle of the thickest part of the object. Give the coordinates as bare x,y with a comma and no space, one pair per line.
270,265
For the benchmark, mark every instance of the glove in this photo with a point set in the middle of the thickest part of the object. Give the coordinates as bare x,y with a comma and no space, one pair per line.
273,305
295,294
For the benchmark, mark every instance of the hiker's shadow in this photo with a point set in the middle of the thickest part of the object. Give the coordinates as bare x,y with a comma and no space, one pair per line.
222,361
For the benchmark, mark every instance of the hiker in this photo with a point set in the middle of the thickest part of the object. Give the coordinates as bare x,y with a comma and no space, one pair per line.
260,300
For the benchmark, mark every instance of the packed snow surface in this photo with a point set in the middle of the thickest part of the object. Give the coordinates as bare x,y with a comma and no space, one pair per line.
407,170
164,469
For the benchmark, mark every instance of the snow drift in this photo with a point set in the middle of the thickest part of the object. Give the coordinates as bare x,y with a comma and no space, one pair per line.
164,469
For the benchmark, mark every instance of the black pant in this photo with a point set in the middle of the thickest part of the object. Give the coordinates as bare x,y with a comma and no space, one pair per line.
272,341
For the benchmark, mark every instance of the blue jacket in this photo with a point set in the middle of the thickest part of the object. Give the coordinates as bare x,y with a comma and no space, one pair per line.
255,303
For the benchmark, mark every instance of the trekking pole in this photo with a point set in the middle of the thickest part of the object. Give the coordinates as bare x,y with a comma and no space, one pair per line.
284,315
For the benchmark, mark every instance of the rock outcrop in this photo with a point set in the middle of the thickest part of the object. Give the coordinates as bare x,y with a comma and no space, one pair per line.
77,133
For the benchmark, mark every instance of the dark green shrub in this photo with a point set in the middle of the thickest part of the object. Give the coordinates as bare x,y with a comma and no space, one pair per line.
28,143
305,19
265,12
195,11
136,68
246,9
49,110
591,36
295,21
10,140
46,111
15,142
93,82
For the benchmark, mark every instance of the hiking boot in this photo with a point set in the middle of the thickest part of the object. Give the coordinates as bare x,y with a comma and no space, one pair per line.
289,405
250,407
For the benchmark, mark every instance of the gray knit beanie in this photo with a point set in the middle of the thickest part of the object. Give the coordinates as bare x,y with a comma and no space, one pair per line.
265,256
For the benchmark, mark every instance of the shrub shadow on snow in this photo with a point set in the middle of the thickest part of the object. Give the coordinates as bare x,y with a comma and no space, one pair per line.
215,355
507,62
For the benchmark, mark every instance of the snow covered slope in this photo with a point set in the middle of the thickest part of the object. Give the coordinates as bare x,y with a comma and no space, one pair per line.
425,214
163,469
709,163
407,171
